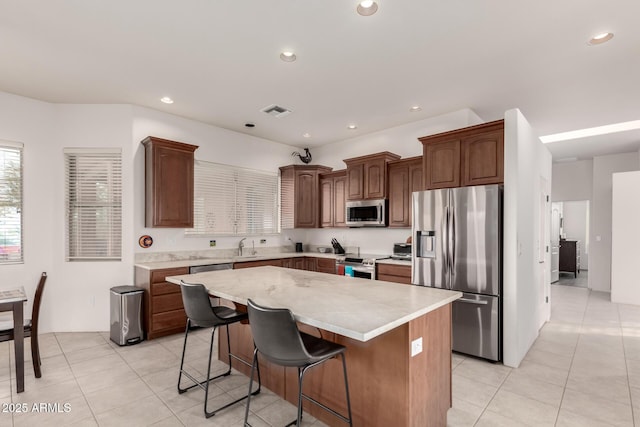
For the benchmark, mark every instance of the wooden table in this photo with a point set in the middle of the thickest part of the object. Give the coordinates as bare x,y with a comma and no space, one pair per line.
13,300
377,321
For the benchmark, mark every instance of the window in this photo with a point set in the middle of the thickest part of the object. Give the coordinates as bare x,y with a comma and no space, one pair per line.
10,202
93,204
231,200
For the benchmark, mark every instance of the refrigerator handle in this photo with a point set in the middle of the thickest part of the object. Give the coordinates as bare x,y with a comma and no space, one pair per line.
472,301
452,248
445,241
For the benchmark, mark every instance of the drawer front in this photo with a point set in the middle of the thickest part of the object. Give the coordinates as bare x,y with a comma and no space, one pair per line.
395,270
326,264
164,288
249,264
167,302
169,320
158,276
395,279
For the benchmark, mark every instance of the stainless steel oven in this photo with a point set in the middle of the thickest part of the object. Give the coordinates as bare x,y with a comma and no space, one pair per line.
363,266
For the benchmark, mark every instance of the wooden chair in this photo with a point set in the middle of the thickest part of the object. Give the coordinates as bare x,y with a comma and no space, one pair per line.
30,328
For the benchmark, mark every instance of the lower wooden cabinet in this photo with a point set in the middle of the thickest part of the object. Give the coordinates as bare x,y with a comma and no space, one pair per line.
394,273
163,310
260,263
326,265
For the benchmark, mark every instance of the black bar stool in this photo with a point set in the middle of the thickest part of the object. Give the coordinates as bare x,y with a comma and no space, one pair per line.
200,313
277,338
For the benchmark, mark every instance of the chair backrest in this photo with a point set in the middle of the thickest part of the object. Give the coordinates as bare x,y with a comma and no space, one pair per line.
37,299
197,304
276,335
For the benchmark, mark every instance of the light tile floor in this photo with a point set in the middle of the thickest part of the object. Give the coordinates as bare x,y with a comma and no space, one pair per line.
583,370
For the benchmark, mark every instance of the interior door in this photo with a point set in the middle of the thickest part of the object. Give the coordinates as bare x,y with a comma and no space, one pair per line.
556,219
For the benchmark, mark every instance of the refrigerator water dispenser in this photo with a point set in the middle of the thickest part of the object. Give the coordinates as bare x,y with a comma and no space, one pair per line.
426,244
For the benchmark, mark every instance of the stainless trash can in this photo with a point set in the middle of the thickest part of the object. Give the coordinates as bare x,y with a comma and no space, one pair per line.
126,315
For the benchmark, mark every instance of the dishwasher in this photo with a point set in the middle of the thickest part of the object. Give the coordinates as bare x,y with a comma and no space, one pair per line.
210,267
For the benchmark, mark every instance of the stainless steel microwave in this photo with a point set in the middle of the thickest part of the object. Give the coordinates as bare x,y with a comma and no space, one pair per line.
367,213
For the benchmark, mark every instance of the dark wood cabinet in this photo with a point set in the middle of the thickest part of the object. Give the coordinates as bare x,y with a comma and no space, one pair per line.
326,265
570,256
168,183
405,176
300,188
394,273
332,199
163,310
464,157
367,176
258,263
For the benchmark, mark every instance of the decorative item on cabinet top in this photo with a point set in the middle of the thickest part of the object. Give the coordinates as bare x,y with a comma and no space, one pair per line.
306,158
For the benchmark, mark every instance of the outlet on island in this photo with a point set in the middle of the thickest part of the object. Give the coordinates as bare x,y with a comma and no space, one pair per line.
263,241
212,243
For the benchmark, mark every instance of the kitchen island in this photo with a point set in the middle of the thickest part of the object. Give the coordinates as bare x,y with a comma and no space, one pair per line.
379,323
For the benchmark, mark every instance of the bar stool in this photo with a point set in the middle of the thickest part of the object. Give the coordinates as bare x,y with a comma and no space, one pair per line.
200,313
277,338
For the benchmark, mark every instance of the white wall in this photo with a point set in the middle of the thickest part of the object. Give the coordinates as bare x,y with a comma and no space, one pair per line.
576,227
572,181
525,280
625,287
601,222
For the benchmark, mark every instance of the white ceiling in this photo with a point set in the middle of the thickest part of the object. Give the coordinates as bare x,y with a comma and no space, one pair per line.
219,61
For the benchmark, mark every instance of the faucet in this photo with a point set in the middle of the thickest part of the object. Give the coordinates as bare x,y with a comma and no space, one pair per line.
241,245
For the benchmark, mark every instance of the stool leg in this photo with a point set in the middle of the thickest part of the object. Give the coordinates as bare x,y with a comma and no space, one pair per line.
253,366
300,378
346,388
208,414
184,348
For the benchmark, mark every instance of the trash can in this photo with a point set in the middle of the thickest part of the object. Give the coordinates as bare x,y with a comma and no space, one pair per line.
126,315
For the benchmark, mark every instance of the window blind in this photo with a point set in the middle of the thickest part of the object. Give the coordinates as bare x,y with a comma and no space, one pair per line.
93,181
229,200
10,203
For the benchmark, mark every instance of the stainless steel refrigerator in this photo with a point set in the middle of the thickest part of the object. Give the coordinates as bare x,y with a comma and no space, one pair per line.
457,240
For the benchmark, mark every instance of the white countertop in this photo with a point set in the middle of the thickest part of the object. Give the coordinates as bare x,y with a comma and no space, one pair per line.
406,262
155,265
356,308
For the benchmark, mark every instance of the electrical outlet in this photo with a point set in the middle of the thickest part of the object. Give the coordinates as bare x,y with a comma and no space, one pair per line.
416,347
263,241
212,243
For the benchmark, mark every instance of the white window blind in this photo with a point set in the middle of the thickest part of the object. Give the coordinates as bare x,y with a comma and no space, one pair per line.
93,204
10,203
230,200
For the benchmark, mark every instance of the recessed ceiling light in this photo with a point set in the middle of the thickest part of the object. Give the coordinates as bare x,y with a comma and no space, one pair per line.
415,108
583,133
166,100
306,135
288,56
352,127
600,38
367,7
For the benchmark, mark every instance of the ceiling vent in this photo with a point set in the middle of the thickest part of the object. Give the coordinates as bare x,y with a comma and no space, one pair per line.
276,111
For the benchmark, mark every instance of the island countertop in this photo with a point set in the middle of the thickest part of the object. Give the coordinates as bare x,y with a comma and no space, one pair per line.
360,309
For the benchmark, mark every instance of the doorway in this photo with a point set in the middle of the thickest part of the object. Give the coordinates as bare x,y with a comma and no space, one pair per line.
570,243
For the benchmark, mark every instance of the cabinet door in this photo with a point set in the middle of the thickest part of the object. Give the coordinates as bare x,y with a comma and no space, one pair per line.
399,204
442,164
374,174
169,183
326,202
299,263
306,205
483,159
355,182
310,264
339,200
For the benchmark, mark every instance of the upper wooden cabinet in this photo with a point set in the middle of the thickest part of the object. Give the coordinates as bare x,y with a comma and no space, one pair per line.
168,183
300,195
405,177
468,156
333,187
367,176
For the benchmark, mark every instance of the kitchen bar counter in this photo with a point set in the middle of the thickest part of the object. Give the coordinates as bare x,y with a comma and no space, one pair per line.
398,341
356,308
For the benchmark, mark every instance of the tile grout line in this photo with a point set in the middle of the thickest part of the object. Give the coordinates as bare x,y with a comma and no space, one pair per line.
575,349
